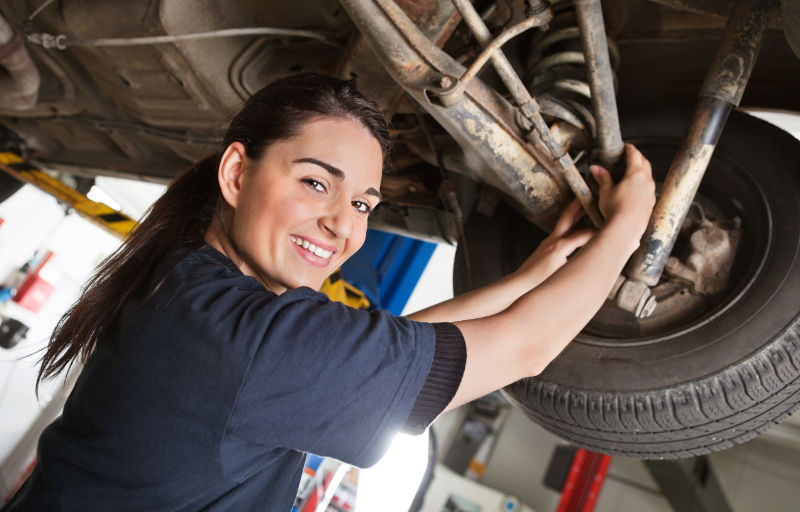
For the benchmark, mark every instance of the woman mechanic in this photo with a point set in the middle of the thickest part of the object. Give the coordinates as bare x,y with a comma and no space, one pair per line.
211,363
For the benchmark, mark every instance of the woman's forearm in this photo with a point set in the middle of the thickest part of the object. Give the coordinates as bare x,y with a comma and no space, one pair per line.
481,302
551,254
520,341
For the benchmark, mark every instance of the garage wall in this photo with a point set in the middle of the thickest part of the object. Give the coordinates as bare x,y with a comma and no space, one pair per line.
34,221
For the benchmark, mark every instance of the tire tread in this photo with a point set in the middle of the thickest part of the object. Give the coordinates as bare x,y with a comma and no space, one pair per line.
694,418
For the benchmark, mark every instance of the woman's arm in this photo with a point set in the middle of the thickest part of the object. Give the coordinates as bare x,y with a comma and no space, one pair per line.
521,340
493,298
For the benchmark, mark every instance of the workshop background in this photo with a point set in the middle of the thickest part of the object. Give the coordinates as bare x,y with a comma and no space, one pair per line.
489,455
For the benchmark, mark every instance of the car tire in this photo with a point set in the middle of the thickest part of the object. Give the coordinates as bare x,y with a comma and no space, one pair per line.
712,382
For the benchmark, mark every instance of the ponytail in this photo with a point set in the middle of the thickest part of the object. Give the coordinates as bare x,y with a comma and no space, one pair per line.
179,218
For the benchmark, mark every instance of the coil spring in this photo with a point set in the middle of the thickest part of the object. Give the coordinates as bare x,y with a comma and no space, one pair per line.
556,73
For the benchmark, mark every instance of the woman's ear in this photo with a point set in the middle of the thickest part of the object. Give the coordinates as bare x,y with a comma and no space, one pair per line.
229,173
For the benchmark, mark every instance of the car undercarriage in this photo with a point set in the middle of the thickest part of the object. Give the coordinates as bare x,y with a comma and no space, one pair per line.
496,110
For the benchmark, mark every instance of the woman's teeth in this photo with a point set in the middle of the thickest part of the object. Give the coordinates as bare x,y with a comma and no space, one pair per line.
305,244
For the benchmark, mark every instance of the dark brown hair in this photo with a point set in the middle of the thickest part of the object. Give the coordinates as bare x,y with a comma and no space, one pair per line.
182,215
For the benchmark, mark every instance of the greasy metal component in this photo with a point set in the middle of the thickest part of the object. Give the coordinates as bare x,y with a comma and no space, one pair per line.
674,302
604,102
558,59
556,68
527,106
721,91
570,137
633,296
61,42
19,84
559,110
738,49
717,8
437,20
480,121
680,187
491,48
790,16
708,265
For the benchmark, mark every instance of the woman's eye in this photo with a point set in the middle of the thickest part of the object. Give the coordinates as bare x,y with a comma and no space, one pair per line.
362,207
316,185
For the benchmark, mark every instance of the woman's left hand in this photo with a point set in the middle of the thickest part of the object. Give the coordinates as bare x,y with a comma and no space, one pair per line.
493,298
552,253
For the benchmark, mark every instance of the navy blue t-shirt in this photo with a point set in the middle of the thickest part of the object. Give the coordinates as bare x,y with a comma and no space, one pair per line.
207,395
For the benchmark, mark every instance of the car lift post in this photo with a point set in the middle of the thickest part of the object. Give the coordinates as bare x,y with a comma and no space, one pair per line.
689,484
584,481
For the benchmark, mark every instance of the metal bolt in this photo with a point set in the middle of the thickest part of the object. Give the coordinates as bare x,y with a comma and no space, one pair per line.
617,285
445,82
648,307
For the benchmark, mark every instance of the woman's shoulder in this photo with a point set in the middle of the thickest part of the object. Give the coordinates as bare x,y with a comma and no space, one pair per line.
186,266
204,270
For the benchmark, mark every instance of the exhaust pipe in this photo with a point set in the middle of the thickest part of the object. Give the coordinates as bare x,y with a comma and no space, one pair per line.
19,87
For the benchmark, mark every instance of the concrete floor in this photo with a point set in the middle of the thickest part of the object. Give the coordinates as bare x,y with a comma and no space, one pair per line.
758,476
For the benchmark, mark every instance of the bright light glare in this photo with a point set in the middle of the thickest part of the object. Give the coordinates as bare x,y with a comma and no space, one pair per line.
391,484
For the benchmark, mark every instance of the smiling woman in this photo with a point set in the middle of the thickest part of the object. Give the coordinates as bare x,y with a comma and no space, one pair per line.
301,210
195,333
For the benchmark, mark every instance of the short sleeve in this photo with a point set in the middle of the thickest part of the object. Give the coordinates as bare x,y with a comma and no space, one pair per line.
443,378
334,380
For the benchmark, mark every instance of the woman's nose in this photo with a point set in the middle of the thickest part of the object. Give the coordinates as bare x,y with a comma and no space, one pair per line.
339,220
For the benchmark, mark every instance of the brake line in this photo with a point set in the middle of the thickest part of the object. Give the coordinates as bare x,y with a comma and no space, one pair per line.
61,42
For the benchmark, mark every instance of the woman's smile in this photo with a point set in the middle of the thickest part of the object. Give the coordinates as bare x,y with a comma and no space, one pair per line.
313,251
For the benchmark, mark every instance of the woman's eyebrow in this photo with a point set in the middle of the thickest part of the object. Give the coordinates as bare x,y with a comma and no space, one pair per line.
336,172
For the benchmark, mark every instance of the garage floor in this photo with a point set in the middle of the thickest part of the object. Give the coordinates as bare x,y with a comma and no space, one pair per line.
758,476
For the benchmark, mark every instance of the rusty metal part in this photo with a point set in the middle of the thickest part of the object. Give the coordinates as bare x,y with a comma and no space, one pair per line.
19,85
526,103
701,270
481,120
716,8
790,15
556,68
570,137
721,91
491,48
437,20
680,187
604,102
736,55
708,265
633,296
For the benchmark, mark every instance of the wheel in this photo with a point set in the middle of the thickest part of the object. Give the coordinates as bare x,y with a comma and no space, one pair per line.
704,373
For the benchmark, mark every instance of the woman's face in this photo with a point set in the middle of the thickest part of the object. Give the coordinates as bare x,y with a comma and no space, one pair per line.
302,210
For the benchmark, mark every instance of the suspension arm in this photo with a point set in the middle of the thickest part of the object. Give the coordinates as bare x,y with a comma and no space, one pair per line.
721,92
604,101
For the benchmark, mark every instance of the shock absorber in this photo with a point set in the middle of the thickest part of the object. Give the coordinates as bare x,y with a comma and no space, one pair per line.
557,76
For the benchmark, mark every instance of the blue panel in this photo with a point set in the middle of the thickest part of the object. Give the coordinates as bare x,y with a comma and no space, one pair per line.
387,268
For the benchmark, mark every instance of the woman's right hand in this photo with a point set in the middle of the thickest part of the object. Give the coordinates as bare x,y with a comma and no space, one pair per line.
524,338
630,202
